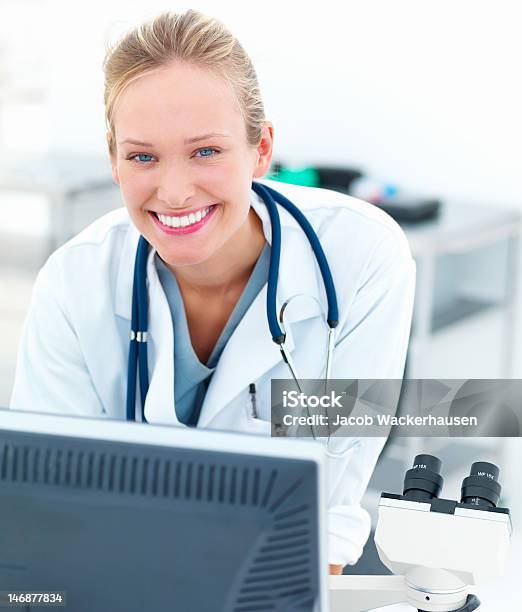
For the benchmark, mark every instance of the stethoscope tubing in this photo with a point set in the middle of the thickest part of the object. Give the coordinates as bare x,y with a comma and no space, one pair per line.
270,196
138,353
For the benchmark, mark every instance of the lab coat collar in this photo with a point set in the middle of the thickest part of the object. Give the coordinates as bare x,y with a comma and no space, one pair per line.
122,298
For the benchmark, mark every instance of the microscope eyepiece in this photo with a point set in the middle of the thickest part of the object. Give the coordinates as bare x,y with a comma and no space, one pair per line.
423,482
481,487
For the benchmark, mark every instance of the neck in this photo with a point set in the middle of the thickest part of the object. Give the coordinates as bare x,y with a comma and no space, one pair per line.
230,267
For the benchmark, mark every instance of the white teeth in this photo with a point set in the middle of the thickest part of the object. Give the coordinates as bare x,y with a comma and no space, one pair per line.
184,221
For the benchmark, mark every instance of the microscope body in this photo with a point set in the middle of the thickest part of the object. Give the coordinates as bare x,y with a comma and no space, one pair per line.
441,547
436,548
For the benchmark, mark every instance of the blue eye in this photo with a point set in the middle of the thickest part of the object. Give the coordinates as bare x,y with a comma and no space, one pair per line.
141,155
137,158
211,149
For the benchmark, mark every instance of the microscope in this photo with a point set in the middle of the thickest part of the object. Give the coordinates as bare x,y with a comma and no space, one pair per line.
436,548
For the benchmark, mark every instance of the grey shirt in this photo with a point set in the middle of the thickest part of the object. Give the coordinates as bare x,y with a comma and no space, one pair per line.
192,377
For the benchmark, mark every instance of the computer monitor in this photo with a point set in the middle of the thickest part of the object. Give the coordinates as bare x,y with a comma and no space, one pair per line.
142,518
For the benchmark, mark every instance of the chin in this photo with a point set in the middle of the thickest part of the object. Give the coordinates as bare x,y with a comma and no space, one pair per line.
183,259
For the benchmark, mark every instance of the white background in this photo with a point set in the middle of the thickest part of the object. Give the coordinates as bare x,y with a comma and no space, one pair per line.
426,94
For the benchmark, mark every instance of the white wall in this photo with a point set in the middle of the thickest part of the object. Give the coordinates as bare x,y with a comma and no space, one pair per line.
426,94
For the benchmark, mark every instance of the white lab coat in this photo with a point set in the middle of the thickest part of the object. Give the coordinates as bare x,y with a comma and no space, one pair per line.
74,347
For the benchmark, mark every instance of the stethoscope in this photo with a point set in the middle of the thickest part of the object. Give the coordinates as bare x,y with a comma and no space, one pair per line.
137,365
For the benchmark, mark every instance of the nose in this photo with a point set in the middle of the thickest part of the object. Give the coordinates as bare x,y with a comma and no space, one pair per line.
176,188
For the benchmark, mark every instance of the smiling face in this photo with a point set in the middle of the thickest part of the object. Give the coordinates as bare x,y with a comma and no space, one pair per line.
183,161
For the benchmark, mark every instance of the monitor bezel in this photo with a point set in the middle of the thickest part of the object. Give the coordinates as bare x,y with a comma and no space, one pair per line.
170,436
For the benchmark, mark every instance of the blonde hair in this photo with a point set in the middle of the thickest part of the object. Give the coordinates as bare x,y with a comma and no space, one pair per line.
189,37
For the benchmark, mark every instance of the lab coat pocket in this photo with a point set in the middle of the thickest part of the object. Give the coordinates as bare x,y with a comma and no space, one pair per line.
253,424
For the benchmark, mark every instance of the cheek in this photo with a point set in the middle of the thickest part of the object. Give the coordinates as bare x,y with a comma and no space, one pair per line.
226,175
236,213
136,187
216,181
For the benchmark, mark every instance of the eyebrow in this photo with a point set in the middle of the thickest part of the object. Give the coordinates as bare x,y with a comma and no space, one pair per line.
186,141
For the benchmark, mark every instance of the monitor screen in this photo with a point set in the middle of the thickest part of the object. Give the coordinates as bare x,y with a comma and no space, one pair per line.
130,516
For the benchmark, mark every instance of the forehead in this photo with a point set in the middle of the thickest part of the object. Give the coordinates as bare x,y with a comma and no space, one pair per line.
176,102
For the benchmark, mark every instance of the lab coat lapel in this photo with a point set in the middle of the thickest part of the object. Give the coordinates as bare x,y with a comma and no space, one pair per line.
159,405
250,352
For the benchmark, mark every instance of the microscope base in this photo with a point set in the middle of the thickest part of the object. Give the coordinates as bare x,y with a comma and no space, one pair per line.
359,593
472,603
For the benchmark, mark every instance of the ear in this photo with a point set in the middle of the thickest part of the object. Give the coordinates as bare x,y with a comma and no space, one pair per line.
114,168
264,151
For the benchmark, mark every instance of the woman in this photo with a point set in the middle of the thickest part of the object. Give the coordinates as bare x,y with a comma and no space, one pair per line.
187,136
